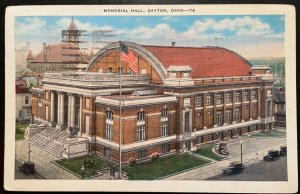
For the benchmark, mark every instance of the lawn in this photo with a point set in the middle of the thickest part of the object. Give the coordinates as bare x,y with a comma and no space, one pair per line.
20,128
75,165
270,134
207,152
162,167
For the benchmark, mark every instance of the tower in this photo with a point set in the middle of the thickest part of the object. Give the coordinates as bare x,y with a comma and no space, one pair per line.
72,34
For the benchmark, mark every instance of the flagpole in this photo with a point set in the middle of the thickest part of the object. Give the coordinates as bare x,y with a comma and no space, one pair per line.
120,113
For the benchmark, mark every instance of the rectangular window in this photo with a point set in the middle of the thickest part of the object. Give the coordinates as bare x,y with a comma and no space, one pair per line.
237,115
109,70
200,139
165,148
26,99
246,95
228,115
219,98
254,95
141,126
142,154
87,103
219,118
228,97
208,100
237,96
198,101
210,137
109,125
164,122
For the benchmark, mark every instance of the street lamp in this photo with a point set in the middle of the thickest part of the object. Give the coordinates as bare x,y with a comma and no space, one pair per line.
241,150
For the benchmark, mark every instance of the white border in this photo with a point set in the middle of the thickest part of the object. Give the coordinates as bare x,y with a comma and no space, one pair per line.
289,186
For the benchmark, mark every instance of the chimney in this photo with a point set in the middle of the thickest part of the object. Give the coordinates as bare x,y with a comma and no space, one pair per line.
44,52
173,43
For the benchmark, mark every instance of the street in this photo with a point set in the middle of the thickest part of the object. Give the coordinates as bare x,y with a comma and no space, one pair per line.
21,175
261,171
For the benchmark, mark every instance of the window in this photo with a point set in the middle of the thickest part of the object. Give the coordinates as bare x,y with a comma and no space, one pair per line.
165,148
109,125
164,122
87,103
219,99
26,99
237,113
254,95
228,115
142,154
140,134
208,100
198,101
210,137
237,96
228,98
109,70
219,118
246,95
200,139
120,70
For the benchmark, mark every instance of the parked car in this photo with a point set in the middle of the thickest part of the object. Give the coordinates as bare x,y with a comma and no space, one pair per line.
272,155
223,149
283,150
234,168
27,167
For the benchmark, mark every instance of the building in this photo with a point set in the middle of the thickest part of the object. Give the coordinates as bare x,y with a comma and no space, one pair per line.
23,100
66,55
21,55
181,98
279,101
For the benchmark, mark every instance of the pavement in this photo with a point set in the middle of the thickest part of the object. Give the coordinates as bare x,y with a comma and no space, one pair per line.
253,151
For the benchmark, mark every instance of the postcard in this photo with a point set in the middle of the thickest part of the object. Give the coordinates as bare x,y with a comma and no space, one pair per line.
162,98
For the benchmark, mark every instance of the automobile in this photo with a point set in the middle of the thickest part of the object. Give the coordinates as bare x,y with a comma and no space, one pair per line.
27,167
234,168
272,155
223,149
283,150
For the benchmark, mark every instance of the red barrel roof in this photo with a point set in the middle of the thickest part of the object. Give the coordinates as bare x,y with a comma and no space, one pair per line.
204,61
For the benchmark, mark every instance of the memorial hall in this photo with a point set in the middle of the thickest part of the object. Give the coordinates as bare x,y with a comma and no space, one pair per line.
175,99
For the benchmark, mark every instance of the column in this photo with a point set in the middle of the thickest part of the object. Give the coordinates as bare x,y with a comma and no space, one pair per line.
69,109
52,107
58,108
80,115
73,110
62,108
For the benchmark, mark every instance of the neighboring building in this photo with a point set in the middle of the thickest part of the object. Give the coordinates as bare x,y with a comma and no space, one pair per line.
23,100
21,55
181,98
66,55
279,100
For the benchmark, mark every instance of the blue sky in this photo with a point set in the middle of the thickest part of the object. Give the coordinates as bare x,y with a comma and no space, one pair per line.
248,35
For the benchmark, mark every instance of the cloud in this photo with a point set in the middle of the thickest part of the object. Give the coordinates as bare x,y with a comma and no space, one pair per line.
30,25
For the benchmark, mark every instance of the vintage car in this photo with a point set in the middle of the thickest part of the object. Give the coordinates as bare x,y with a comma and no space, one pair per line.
283,150
223,149
272,155
234,168
27,167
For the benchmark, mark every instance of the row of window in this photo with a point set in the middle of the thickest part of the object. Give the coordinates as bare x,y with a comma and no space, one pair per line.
141,124
228,96
228,117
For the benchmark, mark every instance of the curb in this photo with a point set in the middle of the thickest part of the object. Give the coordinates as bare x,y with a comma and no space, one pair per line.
176,173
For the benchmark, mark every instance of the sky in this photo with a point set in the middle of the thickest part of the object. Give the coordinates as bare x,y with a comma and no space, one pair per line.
248,35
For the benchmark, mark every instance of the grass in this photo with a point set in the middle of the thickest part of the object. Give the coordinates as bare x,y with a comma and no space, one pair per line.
20,127
75,165
162,167
207,152
270,134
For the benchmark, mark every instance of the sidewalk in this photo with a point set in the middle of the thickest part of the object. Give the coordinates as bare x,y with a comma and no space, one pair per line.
217,167
42,160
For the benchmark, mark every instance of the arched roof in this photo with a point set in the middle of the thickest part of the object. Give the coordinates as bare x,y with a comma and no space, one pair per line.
204,61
